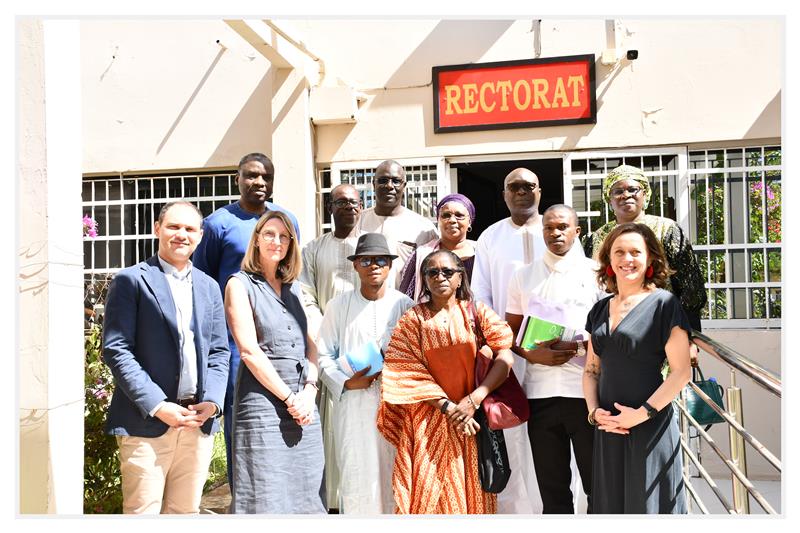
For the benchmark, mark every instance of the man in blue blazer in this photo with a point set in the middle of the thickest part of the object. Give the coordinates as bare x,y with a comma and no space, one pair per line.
166,343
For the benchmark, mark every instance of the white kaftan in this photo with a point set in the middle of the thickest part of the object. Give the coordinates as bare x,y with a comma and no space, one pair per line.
364,457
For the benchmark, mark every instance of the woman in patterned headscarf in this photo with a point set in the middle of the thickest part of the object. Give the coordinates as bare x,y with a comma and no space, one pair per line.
627,190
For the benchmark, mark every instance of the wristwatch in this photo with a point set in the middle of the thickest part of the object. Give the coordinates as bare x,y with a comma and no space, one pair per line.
581,351
651,411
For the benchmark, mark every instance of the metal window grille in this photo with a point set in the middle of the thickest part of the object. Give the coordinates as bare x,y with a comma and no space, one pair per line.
126,205
735,211
587,174
423,188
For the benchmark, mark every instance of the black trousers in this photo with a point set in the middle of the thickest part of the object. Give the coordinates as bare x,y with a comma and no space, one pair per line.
554,424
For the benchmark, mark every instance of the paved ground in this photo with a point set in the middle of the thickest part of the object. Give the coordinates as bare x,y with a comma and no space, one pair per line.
218,500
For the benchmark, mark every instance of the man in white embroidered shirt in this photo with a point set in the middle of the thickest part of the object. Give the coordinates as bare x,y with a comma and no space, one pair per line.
358,324
559,287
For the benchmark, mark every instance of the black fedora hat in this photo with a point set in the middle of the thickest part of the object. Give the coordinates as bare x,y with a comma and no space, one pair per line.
371,244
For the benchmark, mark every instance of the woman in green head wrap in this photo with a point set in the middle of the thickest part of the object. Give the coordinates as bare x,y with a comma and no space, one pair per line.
627,190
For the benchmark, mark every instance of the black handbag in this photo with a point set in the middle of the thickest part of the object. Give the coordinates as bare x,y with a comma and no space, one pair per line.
699,409
493,466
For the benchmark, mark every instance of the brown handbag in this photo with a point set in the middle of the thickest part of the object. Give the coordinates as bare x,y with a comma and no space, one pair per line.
507,405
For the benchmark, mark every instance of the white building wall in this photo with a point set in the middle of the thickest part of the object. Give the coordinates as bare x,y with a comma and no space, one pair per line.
695,81
50,276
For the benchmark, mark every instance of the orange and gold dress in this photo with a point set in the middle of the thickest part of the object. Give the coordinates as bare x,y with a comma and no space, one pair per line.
430,356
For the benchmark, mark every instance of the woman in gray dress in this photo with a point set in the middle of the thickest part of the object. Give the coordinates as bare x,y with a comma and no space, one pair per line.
277,451
637,454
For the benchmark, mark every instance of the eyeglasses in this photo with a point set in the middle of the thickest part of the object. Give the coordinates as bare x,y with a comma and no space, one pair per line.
518,186
345,202
446,272
271,236
447,216
379,260
620,191
394,181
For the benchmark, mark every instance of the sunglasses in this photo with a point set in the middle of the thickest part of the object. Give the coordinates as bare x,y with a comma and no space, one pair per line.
446,272
386,181
379,260
517,186
620,191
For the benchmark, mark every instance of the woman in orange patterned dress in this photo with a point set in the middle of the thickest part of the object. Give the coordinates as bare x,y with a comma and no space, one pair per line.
428,395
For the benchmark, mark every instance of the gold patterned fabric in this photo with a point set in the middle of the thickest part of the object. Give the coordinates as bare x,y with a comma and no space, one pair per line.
436,467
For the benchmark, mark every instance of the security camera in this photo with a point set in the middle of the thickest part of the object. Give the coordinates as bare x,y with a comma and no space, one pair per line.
632,54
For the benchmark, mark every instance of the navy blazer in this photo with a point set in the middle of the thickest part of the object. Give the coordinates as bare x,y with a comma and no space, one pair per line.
141,346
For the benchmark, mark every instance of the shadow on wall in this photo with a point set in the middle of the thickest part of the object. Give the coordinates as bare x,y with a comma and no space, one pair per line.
249,131
474,39
768,123
189,102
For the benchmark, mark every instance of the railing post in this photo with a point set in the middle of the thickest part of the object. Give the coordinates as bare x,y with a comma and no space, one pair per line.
741,499
684,424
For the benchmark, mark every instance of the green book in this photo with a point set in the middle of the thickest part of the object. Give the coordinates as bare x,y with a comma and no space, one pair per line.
539,330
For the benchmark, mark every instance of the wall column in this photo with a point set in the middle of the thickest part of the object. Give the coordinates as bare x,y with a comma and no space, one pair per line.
50,274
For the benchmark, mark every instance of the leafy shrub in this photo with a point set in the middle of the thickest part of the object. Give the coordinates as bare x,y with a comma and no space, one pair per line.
102,484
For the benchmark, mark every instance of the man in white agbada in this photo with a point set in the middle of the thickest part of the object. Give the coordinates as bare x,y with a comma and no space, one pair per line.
560,287
404,229
356,324
502,248
328,273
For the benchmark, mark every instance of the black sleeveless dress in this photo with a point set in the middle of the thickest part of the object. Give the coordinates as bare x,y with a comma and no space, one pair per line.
640,472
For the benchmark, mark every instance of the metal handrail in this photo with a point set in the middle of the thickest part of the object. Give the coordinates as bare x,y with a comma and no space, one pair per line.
763,377
737,463
735,470
760,448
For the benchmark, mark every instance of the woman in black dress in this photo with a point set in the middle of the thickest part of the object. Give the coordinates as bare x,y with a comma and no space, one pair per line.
637,455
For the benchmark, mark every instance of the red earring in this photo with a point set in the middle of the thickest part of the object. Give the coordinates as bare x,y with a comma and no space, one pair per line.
609,271
649,272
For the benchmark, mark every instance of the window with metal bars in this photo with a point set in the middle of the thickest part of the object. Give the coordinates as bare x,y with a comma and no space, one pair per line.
126,205
420,193
735,214
587,176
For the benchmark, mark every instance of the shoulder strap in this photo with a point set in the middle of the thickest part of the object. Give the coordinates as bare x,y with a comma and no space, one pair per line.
480,340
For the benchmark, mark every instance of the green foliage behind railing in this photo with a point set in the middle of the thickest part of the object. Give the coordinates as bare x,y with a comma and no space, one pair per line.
102,485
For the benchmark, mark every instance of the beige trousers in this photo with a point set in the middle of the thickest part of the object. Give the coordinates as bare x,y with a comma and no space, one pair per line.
164,474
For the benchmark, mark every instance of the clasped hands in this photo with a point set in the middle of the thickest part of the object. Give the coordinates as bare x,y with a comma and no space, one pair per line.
301,405
621,423
461,415
180,417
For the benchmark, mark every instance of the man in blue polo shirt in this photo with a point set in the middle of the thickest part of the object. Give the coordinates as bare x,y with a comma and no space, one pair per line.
226,233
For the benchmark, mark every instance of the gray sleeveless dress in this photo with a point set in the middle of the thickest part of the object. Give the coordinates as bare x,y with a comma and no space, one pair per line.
278,465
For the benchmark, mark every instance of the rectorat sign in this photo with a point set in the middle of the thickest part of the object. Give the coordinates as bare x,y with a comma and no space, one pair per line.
514,94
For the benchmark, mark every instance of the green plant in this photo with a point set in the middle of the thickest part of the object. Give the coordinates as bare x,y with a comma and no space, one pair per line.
218,469
102,484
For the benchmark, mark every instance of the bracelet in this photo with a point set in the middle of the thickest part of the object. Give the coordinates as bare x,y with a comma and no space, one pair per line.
591,419
469,397
312,383
288,396
444,406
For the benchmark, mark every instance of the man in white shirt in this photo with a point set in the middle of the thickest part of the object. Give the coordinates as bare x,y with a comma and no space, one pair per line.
357,322
502,248
559,287
404,229
326,274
